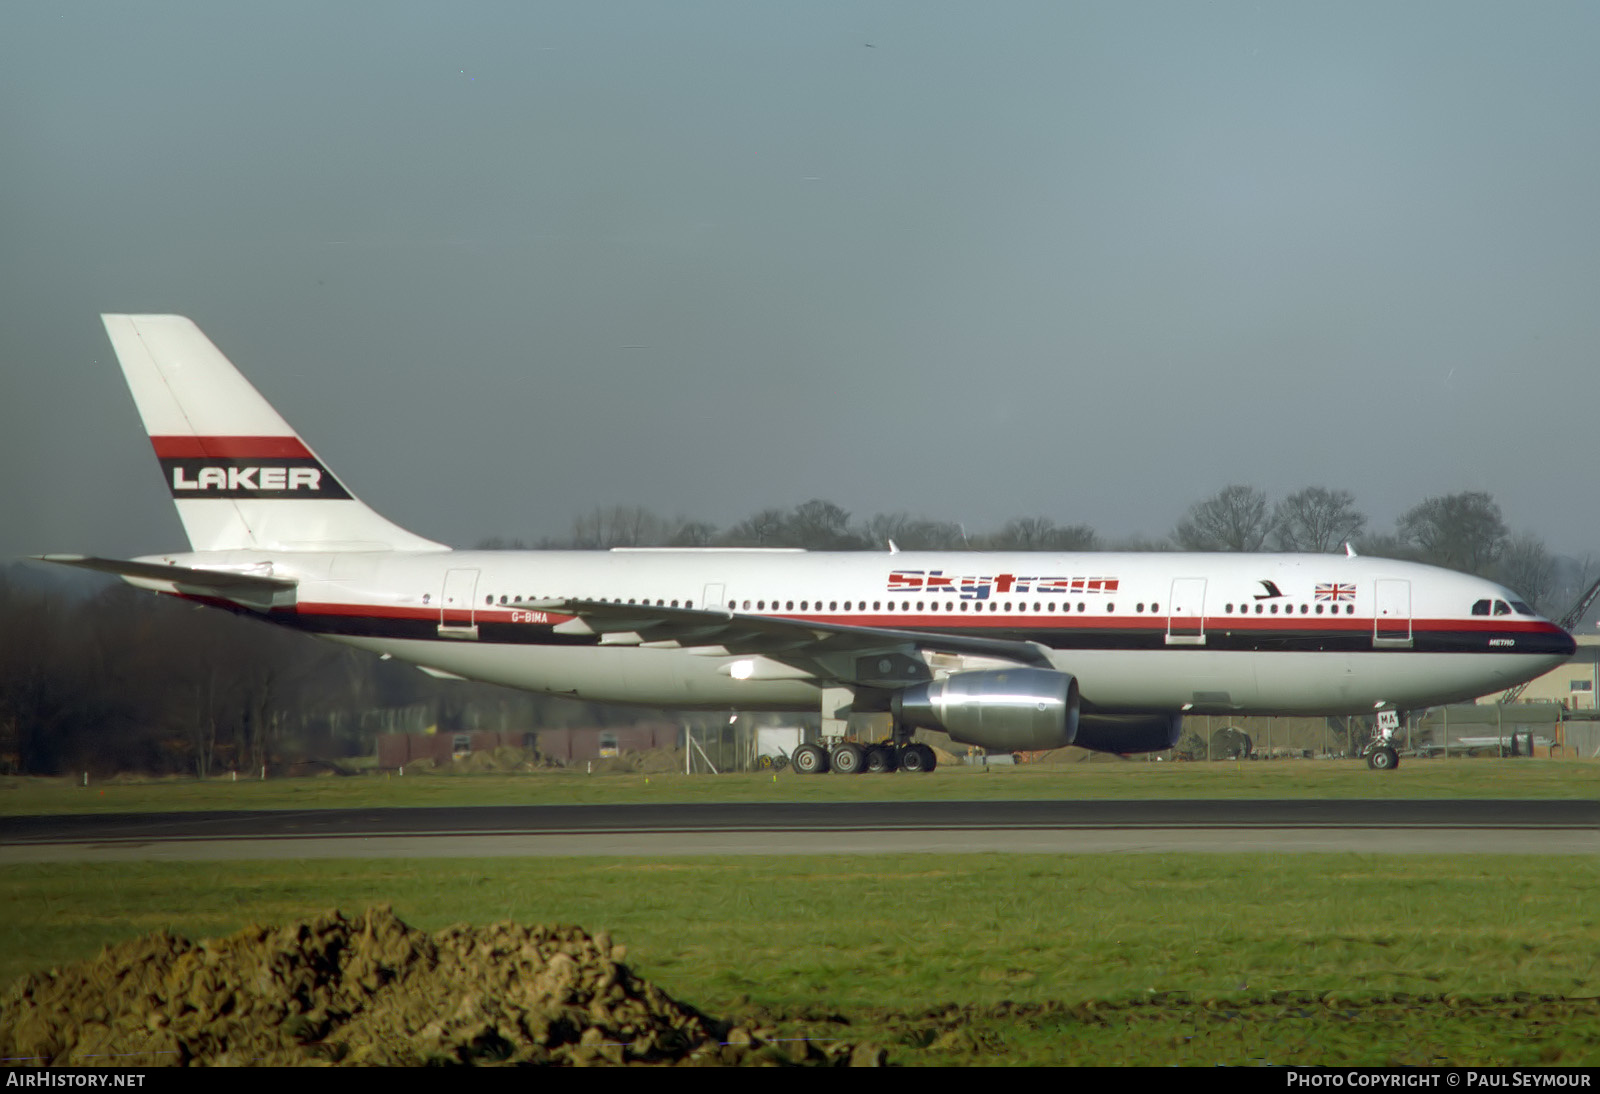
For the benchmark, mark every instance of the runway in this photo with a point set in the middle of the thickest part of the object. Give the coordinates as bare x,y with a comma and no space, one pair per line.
1031,827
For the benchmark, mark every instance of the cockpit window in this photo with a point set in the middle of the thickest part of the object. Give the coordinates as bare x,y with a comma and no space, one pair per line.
1523,609
1481,608
1502,608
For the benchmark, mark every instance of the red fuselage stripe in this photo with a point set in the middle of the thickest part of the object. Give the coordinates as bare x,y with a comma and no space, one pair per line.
237,448
963,620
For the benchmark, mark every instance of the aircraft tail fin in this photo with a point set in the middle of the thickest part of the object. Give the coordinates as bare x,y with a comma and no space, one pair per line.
239,475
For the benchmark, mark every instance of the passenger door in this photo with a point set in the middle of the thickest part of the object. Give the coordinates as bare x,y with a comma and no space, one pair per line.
1186,612
457,605
1391,615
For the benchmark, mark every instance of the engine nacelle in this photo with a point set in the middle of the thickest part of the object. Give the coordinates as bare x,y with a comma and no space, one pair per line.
1004,709
1124,733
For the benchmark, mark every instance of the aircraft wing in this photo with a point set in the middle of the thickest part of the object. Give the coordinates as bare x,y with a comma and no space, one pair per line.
249,590
829,653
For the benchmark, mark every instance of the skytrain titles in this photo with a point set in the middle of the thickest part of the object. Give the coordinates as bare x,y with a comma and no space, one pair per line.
936,583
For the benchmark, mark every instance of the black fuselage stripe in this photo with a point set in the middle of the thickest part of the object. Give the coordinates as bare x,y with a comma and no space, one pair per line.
1056,638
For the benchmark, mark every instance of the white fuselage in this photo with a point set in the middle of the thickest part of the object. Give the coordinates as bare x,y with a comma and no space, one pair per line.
1224,633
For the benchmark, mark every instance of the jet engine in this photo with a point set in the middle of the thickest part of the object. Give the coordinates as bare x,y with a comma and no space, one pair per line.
1129,732
1007,710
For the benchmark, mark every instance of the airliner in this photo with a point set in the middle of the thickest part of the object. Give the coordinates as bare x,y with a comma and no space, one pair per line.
1005,651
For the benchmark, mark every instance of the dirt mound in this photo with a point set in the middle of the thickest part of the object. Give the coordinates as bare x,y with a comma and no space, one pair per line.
661,761
501,759
370,990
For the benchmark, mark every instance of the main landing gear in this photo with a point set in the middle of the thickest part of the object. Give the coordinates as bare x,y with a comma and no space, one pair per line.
840,753
852,757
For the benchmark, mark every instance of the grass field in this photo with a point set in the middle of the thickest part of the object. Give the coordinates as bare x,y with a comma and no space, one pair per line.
1457,778
1347,959
1016,959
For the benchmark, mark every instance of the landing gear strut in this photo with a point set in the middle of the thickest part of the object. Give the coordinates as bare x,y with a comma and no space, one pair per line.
909,755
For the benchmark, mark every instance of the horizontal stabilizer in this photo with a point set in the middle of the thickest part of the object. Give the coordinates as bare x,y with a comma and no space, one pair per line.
249,590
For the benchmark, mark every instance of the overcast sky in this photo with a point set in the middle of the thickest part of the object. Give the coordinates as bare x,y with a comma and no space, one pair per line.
503,263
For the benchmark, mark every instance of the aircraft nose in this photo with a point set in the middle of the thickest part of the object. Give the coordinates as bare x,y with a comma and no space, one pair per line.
1566,644
1555,644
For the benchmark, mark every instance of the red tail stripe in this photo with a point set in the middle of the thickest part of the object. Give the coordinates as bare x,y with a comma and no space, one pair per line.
238,448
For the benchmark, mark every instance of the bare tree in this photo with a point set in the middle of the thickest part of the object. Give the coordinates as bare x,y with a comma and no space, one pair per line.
1235,519
821,526
692,533
619,526
763,529
1316,520
912,533
1573,576
1042,534
817,525
1461,531
1526,567
1139,542
1381,545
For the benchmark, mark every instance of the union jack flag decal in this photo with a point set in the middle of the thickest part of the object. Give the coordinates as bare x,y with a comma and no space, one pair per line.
1336,591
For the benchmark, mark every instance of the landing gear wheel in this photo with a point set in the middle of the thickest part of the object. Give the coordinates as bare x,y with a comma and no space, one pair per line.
849,759
1383,759
810,760
918,759
880,760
